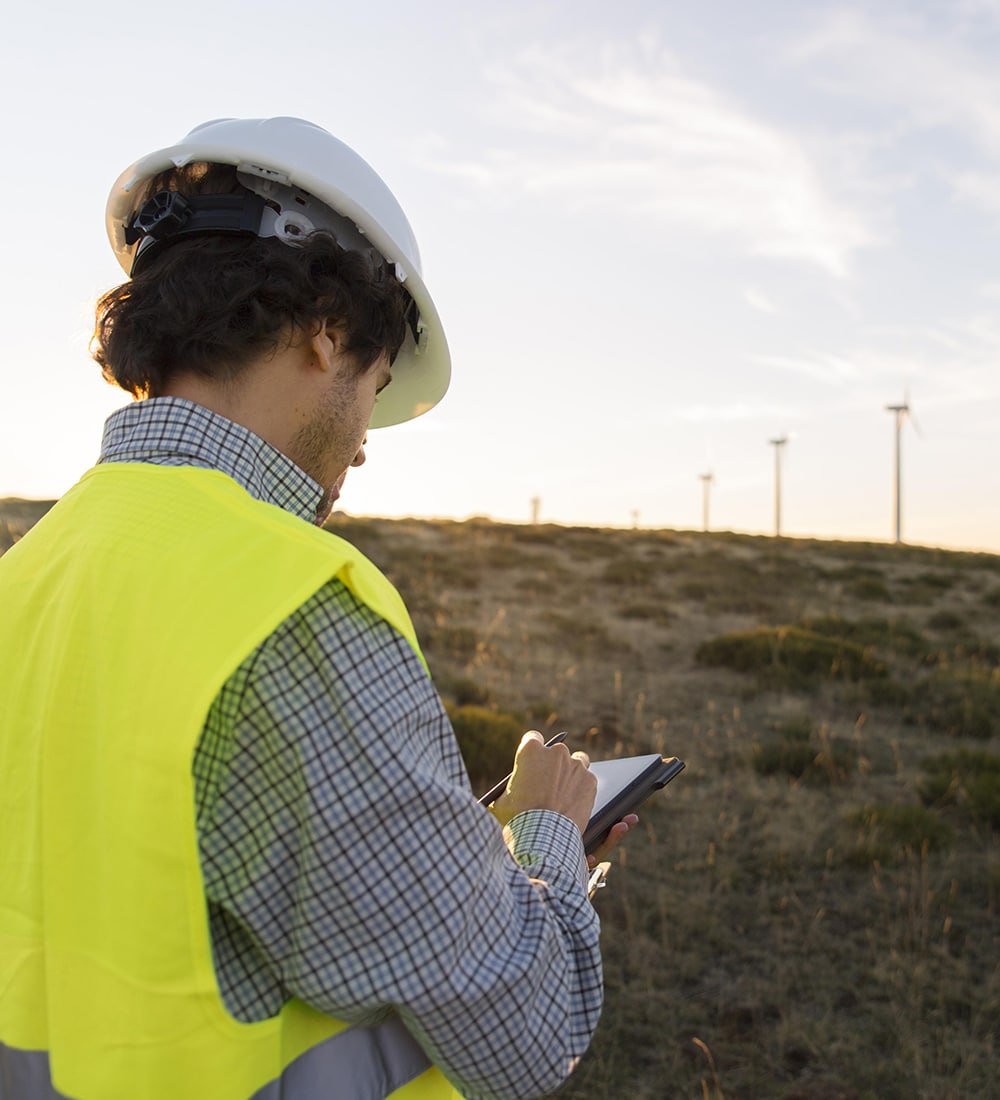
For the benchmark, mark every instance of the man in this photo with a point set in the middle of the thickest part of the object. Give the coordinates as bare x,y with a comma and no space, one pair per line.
241,857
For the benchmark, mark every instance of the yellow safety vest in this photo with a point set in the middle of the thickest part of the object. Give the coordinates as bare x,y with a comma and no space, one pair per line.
122,613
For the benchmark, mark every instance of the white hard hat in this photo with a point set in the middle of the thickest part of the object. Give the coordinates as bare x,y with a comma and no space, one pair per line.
279,159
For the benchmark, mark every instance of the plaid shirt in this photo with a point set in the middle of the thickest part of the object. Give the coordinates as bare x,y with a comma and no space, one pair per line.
356,896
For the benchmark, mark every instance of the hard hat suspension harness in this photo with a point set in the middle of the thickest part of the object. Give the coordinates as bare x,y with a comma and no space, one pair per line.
169,215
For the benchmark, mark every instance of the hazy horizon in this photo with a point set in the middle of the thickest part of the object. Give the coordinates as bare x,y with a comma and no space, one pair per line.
658,237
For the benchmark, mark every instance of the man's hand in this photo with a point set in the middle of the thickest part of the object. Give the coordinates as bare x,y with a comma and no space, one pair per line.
548,779
613,839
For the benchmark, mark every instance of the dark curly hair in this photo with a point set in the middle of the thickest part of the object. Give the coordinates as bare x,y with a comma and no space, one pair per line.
211,303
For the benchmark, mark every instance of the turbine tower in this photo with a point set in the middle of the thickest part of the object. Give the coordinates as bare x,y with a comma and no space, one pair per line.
900,412
777,444
706,482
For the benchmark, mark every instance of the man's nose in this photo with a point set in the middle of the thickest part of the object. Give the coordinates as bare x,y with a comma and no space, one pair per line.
359,458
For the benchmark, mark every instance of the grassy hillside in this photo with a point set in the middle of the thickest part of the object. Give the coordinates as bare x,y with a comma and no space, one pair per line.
16,516
810,912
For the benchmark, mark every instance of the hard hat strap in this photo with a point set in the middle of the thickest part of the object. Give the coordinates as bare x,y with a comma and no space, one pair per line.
169,215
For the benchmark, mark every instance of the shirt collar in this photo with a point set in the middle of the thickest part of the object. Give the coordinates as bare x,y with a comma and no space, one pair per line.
169,431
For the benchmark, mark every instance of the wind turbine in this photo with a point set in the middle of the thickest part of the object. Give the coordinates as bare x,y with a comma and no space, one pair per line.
777,444
706,482
900,412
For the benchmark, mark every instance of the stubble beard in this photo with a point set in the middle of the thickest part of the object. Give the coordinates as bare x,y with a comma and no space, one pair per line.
314,443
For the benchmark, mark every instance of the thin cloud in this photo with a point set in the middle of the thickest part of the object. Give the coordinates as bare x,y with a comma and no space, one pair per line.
734,412
979,9
981,190
630,132
821,367
951,364
928,78
758,300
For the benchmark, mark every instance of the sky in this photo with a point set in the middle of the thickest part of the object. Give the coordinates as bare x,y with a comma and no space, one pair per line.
659,235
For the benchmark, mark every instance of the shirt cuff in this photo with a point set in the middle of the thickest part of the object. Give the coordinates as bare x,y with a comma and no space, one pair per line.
548,845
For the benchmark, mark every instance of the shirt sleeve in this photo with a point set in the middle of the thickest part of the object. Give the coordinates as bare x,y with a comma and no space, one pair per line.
347,861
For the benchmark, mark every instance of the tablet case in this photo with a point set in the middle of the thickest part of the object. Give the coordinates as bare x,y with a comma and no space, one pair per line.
656,774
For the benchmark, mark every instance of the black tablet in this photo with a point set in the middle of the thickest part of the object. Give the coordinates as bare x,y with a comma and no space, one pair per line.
622,785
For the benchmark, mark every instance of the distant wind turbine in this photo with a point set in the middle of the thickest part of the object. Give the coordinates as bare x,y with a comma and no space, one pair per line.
706,482
777,444
900,412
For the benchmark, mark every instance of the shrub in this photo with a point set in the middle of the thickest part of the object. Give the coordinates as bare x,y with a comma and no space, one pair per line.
871,588
463,691
791,750
974,651
971,652
541,534
505,554
856,572
940,581
836,762
790,657
883,832
694,590
894,635
630,571
649,611
541,714
783,756
534,584
460,642
946,620
580,633
588,543
968,779
487,739
797,728
887,693
958,702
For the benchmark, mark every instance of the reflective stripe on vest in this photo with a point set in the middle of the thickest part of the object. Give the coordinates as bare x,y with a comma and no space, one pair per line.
124,611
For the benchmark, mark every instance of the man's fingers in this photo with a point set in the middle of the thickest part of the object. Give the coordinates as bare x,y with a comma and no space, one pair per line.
548,777
617,834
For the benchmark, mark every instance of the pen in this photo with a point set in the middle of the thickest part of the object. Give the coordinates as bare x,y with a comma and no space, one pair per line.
494,792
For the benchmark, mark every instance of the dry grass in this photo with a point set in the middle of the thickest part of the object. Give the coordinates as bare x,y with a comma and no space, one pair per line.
810,912
16,516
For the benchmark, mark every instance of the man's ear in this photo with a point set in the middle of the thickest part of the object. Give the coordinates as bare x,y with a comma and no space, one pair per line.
326,345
